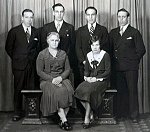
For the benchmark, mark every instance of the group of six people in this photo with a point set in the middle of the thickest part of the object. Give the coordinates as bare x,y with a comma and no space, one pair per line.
44,58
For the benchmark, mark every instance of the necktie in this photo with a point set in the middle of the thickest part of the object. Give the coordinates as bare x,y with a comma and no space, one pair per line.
121,31
91,30
28,34
58,27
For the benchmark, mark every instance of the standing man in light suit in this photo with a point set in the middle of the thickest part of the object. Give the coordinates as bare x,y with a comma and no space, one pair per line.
22,45
127,50
83,36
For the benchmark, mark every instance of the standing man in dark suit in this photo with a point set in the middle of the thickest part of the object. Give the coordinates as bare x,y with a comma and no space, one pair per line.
22,47
67,39
127,50
65,30
83,36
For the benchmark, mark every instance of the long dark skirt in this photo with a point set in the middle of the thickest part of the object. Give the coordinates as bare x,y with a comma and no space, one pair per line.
55,97
92,93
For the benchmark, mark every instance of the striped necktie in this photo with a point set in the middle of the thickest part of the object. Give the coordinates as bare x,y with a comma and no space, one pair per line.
121,31
91,30
58,27
28,34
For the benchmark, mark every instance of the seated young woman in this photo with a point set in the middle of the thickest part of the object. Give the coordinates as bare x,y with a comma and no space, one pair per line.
96,76
53,68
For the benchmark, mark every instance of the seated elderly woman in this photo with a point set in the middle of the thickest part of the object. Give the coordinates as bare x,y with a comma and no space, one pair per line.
96,76
53,68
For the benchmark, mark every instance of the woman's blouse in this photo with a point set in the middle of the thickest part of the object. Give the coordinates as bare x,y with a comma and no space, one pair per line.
49,67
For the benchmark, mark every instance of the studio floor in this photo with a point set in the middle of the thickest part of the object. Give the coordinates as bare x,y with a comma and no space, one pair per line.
7,125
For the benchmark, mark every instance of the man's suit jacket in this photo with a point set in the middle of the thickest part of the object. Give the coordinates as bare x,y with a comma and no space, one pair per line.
20,51
83,37
127,50
67,38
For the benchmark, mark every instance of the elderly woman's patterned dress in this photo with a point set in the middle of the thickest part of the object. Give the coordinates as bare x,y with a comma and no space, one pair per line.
48,67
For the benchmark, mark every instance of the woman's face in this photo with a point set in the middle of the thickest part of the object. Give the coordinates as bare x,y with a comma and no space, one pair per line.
53,41
95,46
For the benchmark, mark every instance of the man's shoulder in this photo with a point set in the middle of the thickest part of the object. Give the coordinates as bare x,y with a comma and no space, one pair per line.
68,25
82,28
16,27
100,26
49,24
114,29
133,29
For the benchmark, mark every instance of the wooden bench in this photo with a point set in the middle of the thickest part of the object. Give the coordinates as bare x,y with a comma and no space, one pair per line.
108,115
32,106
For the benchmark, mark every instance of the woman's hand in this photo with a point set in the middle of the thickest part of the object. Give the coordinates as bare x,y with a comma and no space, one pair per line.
91,79
57,80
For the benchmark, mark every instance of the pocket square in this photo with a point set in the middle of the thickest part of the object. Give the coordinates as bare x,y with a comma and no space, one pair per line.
129,38
35,39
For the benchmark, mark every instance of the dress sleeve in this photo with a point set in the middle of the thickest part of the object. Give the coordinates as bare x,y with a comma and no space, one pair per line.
66,72
40,68
86,68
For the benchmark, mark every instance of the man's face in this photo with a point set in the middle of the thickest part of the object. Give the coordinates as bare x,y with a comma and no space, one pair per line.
27,18
58,13
122,18
91,16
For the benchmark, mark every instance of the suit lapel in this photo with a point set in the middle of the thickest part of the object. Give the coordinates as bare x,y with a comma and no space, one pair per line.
86,30
97,28
53,28
23,35
64,28
123,37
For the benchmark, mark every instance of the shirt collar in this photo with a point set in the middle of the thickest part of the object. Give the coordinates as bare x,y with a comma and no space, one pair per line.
89,26
56,23
124,27
25,28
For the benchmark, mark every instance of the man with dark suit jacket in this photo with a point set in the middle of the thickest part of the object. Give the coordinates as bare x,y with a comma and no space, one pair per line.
22,47
67,39
83,36
65,30
127,50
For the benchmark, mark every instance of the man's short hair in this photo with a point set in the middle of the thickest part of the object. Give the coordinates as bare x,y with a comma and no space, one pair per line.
122,9
58,4
27,10
91,7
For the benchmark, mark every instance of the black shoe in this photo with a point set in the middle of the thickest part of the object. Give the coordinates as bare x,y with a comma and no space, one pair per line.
134,120
65,126
16,118
86,125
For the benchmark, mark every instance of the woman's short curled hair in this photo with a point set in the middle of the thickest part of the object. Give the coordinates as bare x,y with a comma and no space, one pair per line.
94,38
52,33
